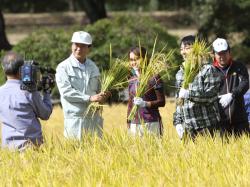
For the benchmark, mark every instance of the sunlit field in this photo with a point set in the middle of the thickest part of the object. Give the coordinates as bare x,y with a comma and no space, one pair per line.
120,160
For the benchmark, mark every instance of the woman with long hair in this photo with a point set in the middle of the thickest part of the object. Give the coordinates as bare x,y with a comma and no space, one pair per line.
147,118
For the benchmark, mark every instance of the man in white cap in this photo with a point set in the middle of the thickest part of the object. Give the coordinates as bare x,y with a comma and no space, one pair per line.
77,79
234,84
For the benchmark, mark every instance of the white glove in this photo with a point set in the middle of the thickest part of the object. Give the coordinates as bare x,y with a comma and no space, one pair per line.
183,93
179,130
139,102
225,99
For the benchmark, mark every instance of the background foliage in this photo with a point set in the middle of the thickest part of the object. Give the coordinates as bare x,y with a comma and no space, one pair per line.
64,5
51,46
225,18
229,19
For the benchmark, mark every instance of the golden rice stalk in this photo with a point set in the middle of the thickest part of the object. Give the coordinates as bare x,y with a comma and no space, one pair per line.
196,58
116,77
194,61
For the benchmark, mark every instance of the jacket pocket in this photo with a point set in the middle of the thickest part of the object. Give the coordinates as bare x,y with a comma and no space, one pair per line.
76,82
94,84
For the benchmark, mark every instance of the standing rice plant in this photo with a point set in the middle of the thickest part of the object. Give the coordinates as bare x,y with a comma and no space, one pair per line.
121,160
157,64
115,78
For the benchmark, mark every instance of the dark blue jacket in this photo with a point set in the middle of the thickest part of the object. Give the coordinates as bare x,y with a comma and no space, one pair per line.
236,81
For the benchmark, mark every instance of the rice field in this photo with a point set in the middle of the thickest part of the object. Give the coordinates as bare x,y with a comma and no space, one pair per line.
120,160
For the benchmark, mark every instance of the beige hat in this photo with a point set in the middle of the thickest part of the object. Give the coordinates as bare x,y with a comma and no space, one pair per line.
219,45
81,37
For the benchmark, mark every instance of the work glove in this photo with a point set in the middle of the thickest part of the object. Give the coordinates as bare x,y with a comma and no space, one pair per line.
139,102
179,130
225,99
183,93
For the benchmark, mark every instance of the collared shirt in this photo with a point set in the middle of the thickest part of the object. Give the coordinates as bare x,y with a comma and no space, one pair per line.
19,113
200,109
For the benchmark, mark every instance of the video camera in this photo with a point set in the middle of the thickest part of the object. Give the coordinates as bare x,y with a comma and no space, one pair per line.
36,78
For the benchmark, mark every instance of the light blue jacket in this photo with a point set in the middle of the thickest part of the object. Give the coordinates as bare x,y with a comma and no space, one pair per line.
19,113
76,83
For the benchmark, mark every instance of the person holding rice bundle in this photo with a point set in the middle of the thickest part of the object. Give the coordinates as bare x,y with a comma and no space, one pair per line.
147,119
199,112
77,79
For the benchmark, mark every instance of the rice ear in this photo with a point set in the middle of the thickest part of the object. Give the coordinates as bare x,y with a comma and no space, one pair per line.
112,79
194,61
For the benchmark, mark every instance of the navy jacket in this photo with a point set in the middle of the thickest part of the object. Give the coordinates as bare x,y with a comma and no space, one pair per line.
235,80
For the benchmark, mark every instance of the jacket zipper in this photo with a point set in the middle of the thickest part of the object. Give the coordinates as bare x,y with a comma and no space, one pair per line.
229,109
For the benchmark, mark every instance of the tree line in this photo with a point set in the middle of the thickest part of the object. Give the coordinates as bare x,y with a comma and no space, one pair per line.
213,17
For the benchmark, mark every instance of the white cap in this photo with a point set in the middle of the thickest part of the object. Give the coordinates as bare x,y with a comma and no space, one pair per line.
219,45
81,37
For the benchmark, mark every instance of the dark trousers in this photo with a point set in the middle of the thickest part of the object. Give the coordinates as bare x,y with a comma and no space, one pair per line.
236,129
193,133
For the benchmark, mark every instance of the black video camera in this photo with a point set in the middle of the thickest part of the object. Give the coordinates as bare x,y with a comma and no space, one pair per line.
36,78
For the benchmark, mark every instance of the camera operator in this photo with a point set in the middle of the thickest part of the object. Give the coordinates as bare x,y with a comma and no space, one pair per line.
20,109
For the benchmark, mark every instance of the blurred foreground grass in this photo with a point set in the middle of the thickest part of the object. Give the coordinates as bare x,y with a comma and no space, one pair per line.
120,160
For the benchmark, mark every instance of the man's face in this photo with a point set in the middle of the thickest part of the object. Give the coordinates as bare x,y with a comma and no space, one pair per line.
223,58
185,49
80,51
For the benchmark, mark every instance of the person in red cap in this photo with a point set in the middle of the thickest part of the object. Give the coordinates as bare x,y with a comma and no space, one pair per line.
234,84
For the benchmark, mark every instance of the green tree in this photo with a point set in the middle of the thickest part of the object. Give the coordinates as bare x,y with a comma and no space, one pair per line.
95,9
225,18
153,5
50,47
4,43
